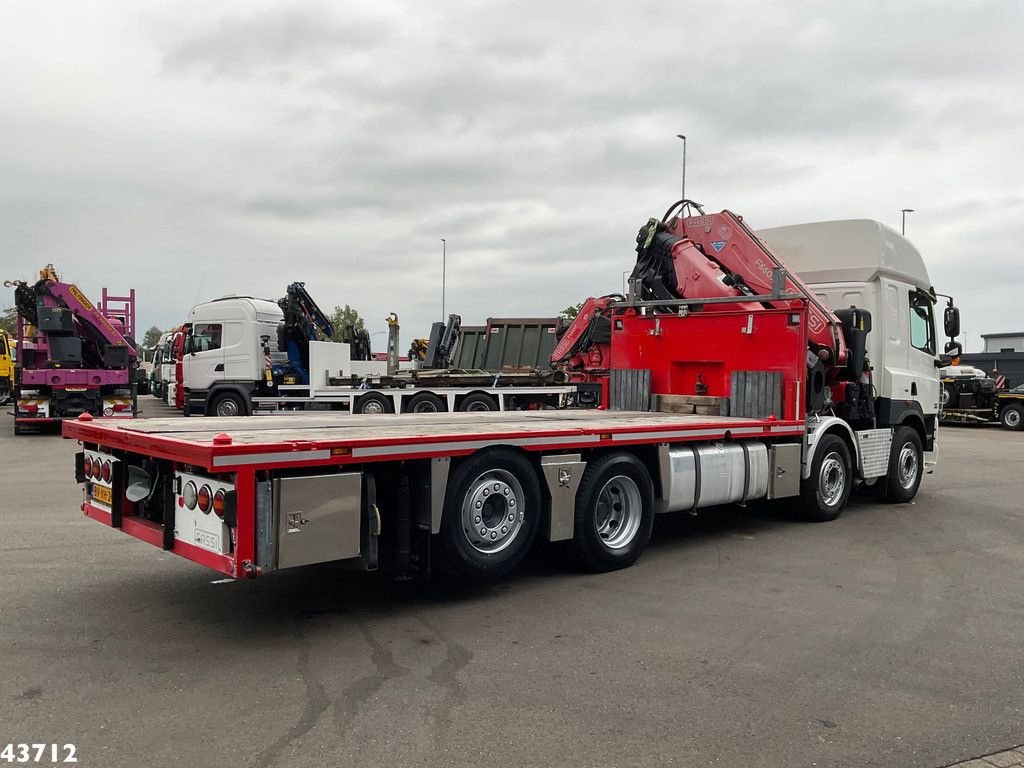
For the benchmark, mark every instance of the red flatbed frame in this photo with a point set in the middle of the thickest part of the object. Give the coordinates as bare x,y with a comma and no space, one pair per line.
269,442
243,446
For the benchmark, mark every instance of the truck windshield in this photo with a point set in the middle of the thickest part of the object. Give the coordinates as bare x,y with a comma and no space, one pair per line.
922,325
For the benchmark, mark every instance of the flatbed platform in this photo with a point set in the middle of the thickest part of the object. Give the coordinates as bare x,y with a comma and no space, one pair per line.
221,444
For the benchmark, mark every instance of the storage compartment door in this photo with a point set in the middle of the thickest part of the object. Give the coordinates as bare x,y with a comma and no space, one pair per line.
317,518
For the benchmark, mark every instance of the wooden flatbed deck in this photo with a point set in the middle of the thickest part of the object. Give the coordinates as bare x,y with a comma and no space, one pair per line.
314,438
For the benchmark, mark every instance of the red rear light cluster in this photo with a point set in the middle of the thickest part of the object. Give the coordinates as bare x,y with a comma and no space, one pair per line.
205,499
218,502
96,468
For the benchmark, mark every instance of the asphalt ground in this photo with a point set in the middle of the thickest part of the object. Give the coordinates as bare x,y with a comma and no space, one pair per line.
893,636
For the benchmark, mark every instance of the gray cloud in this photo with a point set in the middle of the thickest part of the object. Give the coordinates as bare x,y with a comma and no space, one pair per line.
193,151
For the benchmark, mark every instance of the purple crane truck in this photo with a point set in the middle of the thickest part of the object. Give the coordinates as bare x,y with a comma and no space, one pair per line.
73,357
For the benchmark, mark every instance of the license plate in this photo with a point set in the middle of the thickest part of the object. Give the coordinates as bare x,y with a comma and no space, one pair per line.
103,495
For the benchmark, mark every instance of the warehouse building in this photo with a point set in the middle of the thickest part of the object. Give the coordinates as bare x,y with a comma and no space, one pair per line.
1003,356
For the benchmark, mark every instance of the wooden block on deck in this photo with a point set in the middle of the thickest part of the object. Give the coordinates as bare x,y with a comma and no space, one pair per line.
674,404
703,405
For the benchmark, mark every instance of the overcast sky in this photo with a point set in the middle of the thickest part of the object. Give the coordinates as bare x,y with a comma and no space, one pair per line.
191,150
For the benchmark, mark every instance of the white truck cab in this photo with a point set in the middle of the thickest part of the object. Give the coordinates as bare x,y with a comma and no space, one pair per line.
863,263
224,357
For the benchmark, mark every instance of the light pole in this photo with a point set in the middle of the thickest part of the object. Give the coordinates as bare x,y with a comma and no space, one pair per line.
444,261
680,136
903,228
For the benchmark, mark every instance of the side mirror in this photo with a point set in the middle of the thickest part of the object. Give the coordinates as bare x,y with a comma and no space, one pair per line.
190,345
951,321
953,348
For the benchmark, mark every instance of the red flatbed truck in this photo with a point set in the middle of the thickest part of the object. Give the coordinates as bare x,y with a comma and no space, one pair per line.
470,493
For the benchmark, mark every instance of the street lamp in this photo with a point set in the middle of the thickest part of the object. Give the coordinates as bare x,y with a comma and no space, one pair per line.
905,211
444,260
680,136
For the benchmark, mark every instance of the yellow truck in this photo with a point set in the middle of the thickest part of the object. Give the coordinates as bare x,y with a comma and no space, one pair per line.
7,357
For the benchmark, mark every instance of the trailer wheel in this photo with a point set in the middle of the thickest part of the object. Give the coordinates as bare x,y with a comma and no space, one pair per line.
478,401
491,514
426,402
228,404
1012,417
825,492
374,403
614,513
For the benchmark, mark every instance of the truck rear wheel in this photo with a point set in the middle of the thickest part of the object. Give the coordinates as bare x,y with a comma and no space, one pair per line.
906,467
426,402
478,401
1012,417
491,514
228,404
614,513
374,403
825,492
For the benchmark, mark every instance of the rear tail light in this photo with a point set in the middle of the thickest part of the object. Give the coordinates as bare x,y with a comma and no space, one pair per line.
218,503
122,407
205,499
87,467
190,495
105,472
97,469
29,408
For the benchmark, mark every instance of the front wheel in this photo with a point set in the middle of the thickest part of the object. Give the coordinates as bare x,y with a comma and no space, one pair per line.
825,492
906,467
491,514
228,404
1012,417
614,513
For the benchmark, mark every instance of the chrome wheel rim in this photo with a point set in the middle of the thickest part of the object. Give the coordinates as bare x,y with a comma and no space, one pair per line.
831,479
907,466
479,405
619,510
372,407
227,408
493,511
1011,418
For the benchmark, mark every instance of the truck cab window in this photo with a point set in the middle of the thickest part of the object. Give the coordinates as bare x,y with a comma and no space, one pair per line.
206,337
922,325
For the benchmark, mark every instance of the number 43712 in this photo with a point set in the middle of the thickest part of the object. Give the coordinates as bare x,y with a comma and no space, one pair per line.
38,753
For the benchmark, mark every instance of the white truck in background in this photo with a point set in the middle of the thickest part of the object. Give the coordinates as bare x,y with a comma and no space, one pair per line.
233,347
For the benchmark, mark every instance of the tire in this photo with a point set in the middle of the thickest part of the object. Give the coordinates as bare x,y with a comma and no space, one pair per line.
906,467
478,401
426,402
614,513
374,403
491,514
1012,417
228,404
824,494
